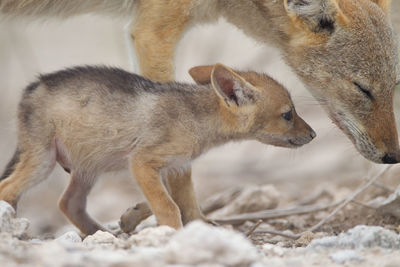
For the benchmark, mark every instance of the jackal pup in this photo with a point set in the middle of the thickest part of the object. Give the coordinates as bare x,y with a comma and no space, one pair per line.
97,119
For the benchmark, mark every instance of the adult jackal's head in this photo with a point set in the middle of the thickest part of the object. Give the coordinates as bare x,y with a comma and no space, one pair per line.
346,53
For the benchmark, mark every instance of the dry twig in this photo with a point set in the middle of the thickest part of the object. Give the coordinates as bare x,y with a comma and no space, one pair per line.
273,232
253,228
313,198
362,204
273,214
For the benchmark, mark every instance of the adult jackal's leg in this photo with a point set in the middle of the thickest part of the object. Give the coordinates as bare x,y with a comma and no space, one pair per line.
157,30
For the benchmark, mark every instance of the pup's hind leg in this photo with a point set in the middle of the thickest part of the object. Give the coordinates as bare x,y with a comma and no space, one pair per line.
31,167
73,203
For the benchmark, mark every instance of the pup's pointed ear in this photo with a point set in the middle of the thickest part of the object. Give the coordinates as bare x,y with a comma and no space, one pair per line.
201,74
317,16
384,5
231,87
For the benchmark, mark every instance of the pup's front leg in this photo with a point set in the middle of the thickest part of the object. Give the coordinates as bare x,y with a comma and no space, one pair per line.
181,189
162,205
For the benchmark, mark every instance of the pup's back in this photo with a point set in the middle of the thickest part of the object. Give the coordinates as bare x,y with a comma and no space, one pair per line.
86,107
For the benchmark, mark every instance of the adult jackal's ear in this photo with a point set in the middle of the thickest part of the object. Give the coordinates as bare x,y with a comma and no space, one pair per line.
384,5
315,16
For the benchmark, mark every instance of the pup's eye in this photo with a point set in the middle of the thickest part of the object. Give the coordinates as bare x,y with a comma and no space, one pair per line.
287,115
364,90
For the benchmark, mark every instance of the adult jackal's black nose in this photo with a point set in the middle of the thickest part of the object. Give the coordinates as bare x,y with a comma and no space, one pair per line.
391,158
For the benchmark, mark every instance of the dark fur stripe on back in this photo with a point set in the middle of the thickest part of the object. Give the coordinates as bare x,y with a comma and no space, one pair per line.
113,79
31,87
109,78
11,165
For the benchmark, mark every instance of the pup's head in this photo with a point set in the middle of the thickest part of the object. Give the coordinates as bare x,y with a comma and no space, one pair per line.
347,54
256,106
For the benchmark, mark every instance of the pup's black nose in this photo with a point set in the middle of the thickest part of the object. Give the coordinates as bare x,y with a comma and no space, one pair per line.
390,158
313,134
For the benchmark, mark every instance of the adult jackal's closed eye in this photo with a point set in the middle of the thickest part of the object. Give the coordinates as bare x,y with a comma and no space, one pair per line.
95,119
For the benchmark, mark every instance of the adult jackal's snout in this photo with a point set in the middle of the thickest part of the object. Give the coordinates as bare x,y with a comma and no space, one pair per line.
375,135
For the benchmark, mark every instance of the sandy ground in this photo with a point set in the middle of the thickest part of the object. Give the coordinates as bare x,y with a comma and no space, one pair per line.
329,162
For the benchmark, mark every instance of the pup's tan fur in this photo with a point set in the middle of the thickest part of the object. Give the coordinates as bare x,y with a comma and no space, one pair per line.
94,119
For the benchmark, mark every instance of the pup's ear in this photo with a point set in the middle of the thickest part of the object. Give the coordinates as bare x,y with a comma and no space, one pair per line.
384,5
201,74
316,16
231,87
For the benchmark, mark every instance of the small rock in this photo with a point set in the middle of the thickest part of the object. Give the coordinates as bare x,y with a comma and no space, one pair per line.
308,237
104,239
343,256
305,239
359,237
69,238
20,227
6,214
9,223
200,243
152,237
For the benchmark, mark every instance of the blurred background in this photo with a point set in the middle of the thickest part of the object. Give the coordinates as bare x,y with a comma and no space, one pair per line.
28,48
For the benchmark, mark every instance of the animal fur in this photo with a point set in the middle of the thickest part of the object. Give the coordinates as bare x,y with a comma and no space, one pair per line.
93,120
